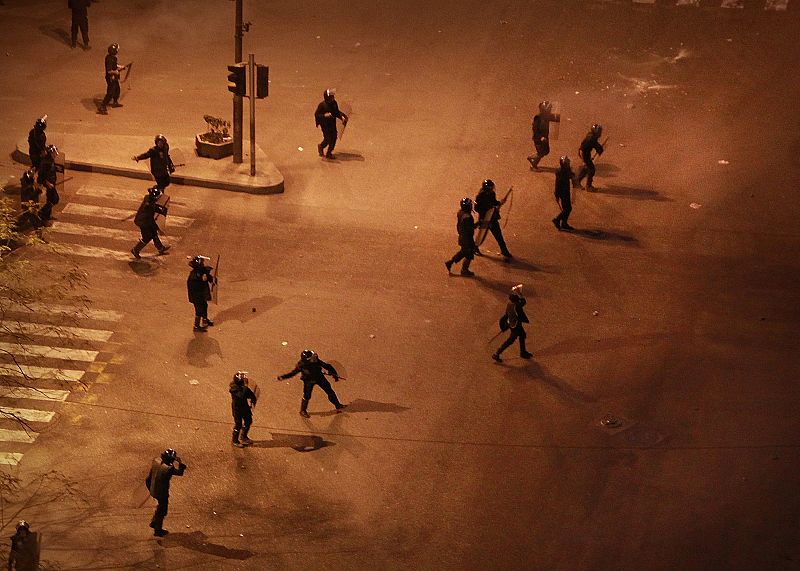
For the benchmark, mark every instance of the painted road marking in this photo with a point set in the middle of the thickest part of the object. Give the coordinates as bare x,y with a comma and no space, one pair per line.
75,311
10,458
48,352
33,372
688,3
119,214
43,330
100,231
17,436
27,414
92,252
134,196
732,4
29,393
777,5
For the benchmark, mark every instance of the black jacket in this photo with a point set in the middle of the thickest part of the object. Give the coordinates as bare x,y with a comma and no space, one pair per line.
160,161
146,215
160,475
37,143
563,181
589,144
327,123
310,371
465,225
198,284
240,395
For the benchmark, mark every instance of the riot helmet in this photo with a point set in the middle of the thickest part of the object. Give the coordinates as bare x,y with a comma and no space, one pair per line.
41,123
240,377
564,162
197,262
52,150
488,184
597,129
168,456
545,106
466,204
330,93
113,49
160,137
154,192
308,356
28,177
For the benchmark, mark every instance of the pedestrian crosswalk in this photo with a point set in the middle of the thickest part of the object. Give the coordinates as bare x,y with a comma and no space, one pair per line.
45,351
767,5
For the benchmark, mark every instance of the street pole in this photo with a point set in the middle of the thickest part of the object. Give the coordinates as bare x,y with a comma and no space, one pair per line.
238,111
252,68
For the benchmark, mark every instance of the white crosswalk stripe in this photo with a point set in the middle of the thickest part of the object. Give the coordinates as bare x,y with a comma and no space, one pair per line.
60,227
33,372
119,214
47,352
779,5
134,196
42,330
27,414
10,458
92,252
30,393
71,310
17,436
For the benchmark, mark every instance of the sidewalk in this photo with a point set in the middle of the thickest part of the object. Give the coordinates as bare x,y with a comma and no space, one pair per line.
111,154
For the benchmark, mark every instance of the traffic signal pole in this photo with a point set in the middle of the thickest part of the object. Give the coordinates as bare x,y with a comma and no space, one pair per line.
238,110
251,68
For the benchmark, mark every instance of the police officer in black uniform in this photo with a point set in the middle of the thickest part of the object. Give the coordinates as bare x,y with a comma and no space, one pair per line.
112,79
199,285
465,225
161,472
145,219
80,19
513,320
485,201
590,143
563,194
37,141
310,367
325,116
161,165
541,132
24,554
47,179
242,401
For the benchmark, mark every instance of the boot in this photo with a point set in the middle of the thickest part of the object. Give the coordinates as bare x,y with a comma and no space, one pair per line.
319,149
137,248
465,269
207,322
235,439
496,357
557,223
523,352
303,407
197,326
163,249
245,440
534,162
448,264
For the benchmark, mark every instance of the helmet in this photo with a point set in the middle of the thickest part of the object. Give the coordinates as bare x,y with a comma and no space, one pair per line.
488,184
240,377
169,455
160,137
564,161
52,150
330,92
466,204
308,355
28,177
545,106
23,525
113,49
41,123
197,262
597,129
154,192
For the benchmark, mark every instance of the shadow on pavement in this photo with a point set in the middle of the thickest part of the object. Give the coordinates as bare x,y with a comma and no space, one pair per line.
200,348
361,405
198,541
247,310
533,371
633,192
605,169
92,103
146,266
348,156
58,34
298,442
584,345
605,235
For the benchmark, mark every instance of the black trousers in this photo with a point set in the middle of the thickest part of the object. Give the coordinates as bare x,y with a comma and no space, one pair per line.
466,252
112,90
201,309
566,209
517,332
329,139
542,147
36,160
151,233
80,21
241,422
325,385
587,169
497,232
162,181
161,512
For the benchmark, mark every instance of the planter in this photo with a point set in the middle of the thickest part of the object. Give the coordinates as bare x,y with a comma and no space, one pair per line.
213,150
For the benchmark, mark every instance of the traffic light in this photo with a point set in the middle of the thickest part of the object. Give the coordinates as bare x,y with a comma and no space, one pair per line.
237,84
262,81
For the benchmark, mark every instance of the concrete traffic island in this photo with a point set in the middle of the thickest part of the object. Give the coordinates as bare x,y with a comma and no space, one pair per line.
111,154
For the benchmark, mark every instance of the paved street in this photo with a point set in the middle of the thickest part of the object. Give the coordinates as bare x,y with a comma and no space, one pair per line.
673,307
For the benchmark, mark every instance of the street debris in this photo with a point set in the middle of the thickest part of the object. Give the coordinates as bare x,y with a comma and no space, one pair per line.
695,205
300,149
723,162
194,382
609,421
284,343
595,313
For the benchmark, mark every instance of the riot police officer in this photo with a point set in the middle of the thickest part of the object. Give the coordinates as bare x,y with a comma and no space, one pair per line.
157,482
47,179
37,141
310,367
563,194
541,132
145,219
325,116
485,201
590,143
24,554
199,284
161,165
112,68
465,225
80,19
242,401
513,320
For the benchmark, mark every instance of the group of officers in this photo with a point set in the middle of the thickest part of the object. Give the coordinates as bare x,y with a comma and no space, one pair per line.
40,179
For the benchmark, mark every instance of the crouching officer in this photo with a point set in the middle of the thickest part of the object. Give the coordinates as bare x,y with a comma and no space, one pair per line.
465,225
242,402
161,165
199,284
157,483
145,219
310,367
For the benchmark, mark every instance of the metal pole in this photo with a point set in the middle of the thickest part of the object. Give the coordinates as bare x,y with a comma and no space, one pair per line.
252,68
238,107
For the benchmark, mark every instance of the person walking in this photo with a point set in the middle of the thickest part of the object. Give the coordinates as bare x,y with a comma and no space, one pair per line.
161,165
325,116
112,69
80,20
513,320
589,144
465,226
563,194
541,132
199,284
157,482
243,400
37,141
310,367
488,208
145,219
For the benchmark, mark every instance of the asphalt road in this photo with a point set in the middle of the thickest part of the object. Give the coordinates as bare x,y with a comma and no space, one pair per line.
673,308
